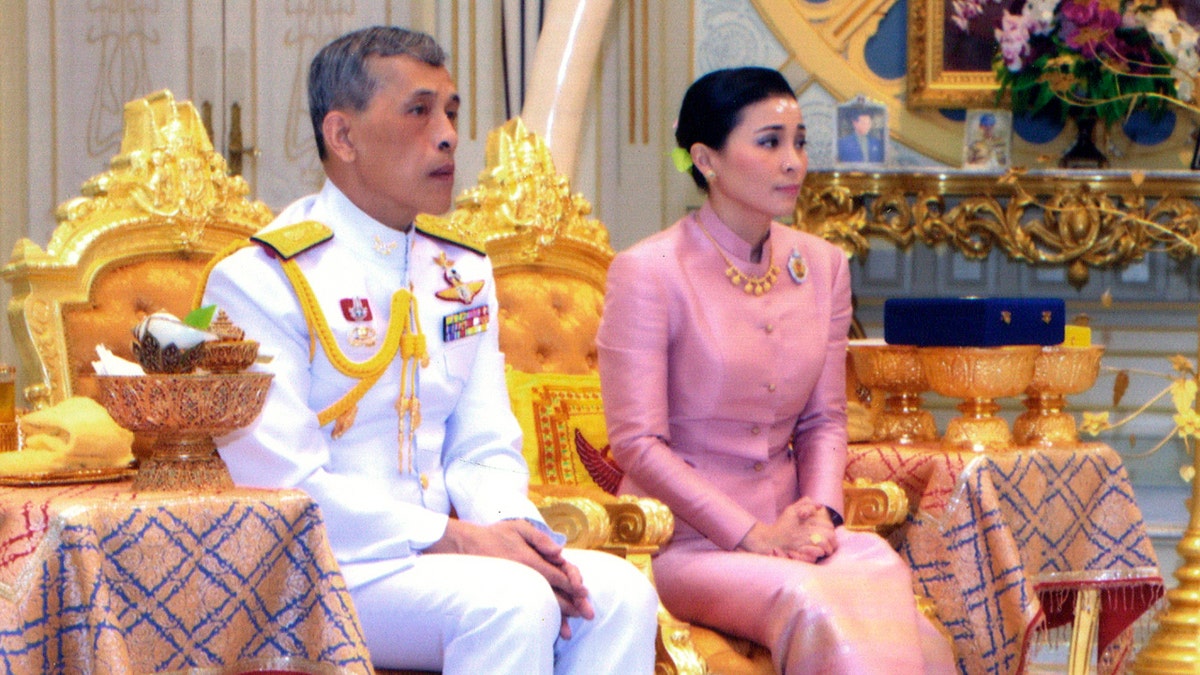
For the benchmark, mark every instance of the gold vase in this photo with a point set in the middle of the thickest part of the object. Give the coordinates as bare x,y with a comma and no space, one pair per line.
1059,371
896,370
184,413
978,376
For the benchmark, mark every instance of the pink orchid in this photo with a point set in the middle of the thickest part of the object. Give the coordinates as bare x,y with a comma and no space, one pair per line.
1013,36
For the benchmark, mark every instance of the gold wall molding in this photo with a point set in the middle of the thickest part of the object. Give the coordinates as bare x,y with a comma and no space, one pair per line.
1078,221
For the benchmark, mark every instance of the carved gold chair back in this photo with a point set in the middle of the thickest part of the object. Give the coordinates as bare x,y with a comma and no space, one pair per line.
134,243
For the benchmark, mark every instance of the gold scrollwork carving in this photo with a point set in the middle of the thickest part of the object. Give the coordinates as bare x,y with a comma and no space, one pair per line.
584,522
1080,223
640,521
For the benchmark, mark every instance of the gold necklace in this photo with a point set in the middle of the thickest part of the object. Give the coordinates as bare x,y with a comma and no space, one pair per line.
751,285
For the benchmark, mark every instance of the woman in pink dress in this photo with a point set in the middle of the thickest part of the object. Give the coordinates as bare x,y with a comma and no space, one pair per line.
726,401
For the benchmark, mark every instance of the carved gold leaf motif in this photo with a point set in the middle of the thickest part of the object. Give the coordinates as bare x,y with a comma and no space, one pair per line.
1079,224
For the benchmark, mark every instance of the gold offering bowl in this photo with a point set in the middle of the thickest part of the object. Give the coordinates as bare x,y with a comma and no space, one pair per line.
184,412
895,369
1059,370
978,376
228,356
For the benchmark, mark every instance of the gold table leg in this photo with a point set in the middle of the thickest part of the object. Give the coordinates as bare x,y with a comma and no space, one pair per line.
1085,631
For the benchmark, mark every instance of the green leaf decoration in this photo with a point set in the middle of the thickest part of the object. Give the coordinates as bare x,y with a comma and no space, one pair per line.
200,317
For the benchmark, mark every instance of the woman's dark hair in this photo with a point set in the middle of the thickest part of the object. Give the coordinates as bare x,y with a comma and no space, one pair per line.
338,78
713,106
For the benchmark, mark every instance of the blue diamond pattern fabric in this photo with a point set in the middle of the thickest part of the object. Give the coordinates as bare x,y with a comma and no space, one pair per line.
1002,541
95,579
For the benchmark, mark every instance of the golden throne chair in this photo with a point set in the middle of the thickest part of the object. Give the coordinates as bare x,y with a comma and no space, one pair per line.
550,263
134,243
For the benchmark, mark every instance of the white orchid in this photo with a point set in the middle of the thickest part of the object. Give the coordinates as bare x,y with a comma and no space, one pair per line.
1039,16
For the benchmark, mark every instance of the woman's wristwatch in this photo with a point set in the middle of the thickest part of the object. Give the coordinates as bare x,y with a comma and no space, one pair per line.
834,516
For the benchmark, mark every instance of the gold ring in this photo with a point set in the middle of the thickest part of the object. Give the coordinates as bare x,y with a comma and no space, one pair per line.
816,538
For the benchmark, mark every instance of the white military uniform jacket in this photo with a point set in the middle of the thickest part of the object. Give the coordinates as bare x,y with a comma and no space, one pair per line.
466,451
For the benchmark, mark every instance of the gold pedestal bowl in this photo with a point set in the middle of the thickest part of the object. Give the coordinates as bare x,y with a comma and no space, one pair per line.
895,370
1059,371
978,376
184,413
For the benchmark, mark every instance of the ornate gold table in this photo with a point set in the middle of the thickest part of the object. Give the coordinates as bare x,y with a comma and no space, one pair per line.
1003,541
95,578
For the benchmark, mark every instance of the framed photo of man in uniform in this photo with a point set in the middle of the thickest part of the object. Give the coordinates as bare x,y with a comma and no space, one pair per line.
987,140
861,133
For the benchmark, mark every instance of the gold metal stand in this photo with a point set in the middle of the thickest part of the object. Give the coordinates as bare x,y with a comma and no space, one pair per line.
1175,645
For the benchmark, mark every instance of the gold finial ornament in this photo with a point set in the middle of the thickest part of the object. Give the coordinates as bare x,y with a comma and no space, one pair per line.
523,208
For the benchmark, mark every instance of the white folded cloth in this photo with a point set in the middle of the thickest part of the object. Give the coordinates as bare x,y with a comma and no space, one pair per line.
111,364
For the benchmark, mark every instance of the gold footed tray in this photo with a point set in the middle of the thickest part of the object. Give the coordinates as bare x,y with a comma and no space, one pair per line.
978,376
184,412
1059,371
896,370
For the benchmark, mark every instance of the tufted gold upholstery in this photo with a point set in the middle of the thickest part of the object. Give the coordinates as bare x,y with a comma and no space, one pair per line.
549,320
136,242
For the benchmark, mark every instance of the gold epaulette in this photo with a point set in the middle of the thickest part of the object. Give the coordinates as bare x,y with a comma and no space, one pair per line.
440,228
293,239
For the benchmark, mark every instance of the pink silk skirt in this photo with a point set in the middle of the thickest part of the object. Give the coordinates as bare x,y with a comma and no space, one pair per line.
853,612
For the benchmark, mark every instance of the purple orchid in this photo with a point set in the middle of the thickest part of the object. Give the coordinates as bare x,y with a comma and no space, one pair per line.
1088,26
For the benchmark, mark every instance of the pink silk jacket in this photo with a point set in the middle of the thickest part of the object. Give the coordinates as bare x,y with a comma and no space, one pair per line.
705,385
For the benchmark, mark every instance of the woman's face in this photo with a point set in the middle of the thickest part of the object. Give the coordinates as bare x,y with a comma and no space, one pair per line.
763,163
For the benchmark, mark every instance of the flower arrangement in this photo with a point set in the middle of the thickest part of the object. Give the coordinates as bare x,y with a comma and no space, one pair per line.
1097,58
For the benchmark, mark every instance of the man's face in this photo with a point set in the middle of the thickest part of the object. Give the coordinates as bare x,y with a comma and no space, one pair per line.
404,141
862,125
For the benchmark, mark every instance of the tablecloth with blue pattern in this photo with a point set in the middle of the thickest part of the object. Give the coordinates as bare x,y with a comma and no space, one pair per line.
1002,541
95,578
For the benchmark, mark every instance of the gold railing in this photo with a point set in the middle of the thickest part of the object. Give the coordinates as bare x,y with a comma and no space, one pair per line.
1075,220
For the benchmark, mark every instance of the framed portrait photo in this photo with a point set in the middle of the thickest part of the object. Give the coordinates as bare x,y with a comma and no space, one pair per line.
949,57
862,132
987,140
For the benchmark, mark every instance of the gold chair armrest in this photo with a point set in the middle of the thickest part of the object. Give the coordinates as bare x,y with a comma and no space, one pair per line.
634,529
872,506
584,522
639,521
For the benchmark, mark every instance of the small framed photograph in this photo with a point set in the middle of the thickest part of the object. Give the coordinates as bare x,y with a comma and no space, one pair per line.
987,140
862,131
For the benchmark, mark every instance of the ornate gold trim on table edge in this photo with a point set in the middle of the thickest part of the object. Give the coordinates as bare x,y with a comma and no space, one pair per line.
1075,220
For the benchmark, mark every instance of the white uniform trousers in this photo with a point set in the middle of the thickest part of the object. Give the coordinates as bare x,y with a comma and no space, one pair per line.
466,615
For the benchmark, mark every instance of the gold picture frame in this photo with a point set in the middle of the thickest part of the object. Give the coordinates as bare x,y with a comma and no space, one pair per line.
933,82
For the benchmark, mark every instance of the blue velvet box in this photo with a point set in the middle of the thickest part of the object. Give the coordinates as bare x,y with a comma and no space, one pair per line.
973,322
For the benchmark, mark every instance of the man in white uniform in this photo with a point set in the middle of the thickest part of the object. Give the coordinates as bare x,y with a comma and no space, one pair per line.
389,405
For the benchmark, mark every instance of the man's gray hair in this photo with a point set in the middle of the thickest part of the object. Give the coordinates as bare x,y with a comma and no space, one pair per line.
338,78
